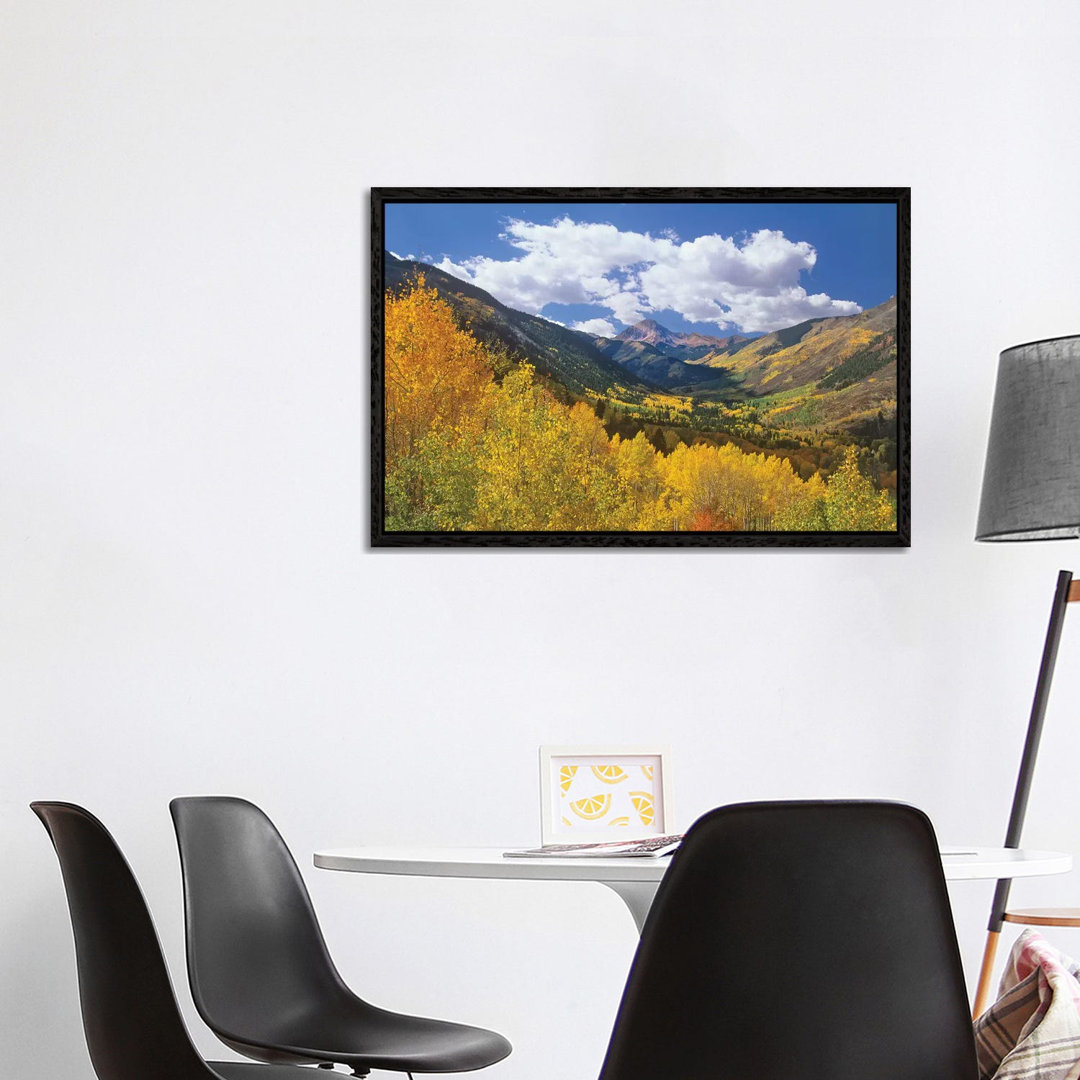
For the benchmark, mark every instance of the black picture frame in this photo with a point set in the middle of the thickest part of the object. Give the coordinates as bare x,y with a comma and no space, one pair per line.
900,537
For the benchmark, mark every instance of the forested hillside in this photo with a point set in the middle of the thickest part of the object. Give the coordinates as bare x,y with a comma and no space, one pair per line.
567,357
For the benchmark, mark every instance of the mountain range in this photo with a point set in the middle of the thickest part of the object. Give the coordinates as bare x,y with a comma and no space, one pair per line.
662,357
835,372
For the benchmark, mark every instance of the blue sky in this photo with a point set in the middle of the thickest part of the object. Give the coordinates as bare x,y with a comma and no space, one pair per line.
712,267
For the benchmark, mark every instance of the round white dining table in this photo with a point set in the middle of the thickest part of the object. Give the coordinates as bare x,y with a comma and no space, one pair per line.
636,879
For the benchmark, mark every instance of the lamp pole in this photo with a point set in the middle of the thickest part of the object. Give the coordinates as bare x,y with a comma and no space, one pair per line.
1065,592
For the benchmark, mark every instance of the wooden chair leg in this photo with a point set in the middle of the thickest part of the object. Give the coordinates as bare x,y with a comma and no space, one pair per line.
982,992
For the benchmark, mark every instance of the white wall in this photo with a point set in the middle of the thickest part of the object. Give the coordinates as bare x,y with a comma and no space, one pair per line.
186,601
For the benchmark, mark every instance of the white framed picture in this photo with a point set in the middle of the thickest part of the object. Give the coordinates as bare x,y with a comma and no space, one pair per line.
595,793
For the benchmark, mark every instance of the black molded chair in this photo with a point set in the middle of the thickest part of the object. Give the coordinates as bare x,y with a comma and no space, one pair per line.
798,941
133,1026
259,969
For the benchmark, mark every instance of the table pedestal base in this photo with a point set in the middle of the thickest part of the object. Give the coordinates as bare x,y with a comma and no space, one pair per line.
637,896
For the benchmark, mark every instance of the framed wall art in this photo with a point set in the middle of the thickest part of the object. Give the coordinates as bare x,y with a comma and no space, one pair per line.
640,367
596,793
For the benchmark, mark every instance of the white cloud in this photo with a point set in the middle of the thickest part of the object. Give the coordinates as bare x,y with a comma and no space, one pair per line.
752,285
627,307
599,327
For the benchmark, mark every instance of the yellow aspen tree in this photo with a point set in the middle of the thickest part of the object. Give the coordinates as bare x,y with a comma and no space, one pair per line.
436,375
851,502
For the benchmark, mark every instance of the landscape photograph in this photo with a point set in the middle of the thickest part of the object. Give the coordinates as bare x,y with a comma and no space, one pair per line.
704,370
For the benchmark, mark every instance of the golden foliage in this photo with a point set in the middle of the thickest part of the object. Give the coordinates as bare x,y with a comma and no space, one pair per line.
467,451
437,375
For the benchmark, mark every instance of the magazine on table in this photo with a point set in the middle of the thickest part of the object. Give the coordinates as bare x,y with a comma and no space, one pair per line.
649,847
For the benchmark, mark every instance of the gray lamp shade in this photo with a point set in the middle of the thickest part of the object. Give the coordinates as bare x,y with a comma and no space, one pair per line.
1031,484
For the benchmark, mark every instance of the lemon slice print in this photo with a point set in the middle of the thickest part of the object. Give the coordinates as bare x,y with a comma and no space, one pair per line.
643,804
566,777
609,774
646,771
592,808
624,820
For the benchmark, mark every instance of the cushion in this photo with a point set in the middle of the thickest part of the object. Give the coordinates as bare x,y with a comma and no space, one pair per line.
1032,1031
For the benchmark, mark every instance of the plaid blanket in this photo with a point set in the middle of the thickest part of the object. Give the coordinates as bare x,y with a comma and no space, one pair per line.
1032,1031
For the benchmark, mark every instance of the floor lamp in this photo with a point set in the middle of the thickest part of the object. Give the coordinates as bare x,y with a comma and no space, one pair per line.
1031,491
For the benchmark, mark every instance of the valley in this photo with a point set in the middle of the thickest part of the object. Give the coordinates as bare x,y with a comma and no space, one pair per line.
805,393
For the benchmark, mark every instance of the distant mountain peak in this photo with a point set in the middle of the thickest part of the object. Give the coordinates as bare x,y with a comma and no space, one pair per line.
649,331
